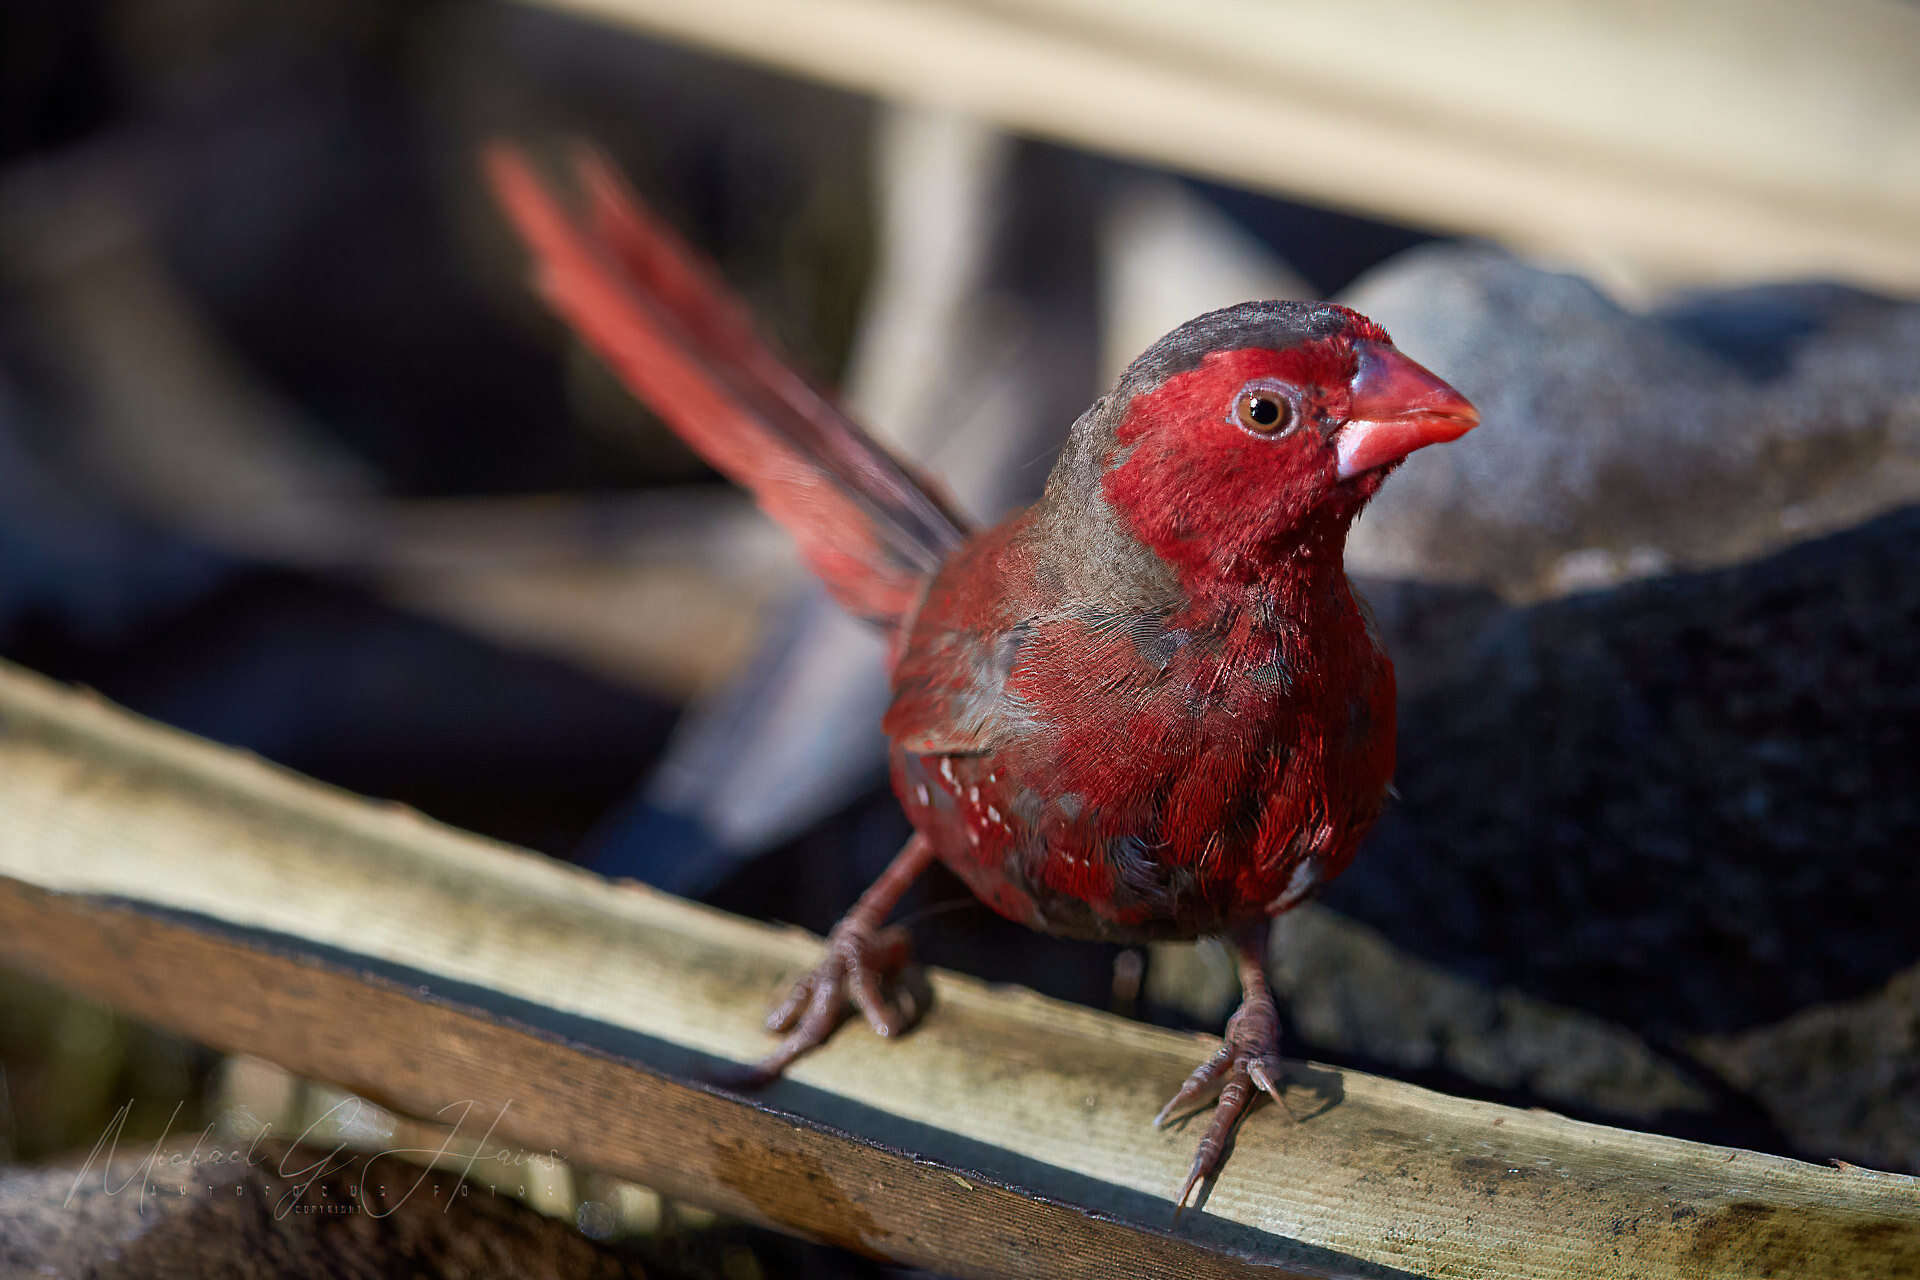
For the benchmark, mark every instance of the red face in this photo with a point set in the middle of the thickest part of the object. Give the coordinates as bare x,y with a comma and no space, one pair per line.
1259,454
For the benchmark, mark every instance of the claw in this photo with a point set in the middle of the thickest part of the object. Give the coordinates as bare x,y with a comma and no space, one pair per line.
1195,1172
1245,1066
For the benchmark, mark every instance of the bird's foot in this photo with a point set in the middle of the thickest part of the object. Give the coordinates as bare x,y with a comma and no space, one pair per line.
1248,1061
863,965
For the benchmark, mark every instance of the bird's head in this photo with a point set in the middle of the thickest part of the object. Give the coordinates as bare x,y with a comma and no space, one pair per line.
1253,436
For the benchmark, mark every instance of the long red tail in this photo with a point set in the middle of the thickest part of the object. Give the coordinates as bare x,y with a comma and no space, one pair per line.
681,342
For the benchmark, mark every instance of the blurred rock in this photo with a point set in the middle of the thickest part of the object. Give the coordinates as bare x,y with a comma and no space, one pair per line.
236,1209
1616,445
1685,806
1350,991
1841,1080
225,1210
1758,328
1196,979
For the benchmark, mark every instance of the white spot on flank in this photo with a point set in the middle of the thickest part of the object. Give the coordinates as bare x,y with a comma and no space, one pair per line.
973,795
1299,885
946,768
993,813
973,835
920,793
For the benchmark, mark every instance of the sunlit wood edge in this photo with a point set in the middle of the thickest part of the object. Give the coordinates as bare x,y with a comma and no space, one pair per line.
1617,207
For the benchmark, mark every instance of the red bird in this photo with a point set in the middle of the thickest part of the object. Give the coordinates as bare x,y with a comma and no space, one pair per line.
1149,705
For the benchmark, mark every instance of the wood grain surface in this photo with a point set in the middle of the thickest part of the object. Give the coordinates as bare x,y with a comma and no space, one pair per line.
364,945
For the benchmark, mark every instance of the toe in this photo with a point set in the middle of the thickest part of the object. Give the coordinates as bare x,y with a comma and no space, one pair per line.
886,1017
783,1015
1212,1151
886,1020
858,967
1200,1086
823,1005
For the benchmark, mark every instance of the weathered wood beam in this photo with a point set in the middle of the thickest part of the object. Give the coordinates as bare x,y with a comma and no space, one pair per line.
1712,141
361,944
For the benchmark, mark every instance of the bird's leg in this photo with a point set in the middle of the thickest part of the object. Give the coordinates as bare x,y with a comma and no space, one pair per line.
861,958
1249,1060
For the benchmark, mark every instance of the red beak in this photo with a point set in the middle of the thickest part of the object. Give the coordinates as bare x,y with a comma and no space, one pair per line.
1396,407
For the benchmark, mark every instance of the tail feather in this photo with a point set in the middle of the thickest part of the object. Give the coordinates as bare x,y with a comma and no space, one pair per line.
674,334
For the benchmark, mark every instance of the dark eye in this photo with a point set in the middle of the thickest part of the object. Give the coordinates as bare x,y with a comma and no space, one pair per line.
1263,410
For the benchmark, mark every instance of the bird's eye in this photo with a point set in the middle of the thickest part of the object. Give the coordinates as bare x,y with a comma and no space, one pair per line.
1262,410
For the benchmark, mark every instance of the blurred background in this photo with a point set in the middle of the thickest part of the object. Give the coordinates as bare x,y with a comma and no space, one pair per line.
292,458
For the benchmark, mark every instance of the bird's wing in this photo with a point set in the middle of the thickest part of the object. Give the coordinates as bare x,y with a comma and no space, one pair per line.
950,695
962,691
871,529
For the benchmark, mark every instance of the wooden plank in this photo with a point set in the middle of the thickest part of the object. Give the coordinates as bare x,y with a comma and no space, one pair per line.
1712,141
1008,1135
514,1072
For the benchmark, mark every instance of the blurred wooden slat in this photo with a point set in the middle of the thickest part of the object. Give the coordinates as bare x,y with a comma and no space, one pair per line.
661,590
361,944
1716,140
